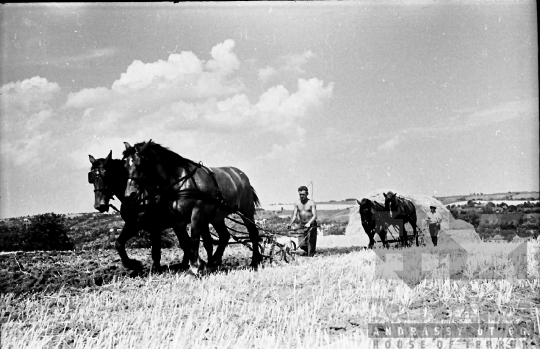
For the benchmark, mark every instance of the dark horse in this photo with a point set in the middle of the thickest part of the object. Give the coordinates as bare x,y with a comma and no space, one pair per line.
109,177
404,210
374,220
192,193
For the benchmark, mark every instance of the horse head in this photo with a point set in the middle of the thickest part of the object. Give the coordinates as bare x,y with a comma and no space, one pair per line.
390,201
138,162
102,175
367,214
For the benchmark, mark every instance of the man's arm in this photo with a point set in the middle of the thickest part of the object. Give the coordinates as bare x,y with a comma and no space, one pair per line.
293,217
314,211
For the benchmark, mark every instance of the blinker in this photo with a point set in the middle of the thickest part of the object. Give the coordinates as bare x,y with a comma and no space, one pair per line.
90,177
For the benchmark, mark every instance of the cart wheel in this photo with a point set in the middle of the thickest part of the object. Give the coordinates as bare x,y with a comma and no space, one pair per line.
287,250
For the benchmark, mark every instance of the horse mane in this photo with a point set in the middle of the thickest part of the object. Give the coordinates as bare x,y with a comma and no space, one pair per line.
167,158
112,162
377,206
256,200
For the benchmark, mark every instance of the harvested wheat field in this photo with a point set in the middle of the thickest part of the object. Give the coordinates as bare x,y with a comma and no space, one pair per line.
325,301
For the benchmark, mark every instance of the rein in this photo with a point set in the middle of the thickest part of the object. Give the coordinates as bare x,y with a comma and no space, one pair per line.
183,179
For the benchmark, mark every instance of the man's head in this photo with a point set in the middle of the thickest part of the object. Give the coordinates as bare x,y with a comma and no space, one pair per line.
432,208
303,192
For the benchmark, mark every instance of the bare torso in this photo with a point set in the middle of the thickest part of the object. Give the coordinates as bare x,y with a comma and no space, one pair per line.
305,210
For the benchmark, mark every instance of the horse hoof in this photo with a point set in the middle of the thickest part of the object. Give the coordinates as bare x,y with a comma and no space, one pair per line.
133,264
212,268
157,268
184,266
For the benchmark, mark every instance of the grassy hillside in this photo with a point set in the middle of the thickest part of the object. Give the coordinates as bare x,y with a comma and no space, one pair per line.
515,195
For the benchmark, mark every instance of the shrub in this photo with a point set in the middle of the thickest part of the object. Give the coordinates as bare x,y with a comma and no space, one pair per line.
46,232
488,210
10,238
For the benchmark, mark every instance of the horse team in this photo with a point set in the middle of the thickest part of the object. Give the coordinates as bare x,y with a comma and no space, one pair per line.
159,189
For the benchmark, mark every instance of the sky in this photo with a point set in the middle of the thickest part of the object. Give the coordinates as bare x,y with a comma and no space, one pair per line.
344,97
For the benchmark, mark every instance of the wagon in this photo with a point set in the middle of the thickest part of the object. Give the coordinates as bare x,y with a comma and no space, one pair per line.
274,245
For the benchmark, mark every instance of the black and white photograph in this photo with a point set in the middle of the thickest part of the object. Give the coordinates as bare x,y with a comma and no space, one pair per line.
270,174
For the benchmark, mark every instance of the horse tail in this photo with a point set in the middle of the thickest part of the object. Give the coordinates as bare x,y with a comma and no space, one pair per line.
256,200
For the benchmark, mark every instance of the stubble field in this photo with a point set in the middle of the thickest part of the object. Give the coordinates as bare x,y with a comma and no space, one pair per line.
325,301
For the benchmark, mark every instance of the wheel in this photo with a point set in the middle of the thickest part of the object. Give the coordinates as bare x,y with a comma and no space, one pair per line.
288,256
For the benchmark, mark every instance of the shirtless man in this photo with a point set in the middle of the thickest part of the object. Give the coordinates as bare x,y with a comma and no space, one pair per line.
306,212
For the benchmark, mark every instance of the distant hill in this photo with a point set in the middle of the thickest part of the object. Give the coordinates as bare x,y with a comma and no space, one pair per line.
515,195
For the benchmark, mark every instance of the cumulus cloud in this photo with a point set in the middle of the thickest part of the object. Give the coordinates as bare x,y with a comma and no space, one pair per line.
87,97
187,92
288,63
26,107
296,62
223,60
28,95
279,108
180,102
265,73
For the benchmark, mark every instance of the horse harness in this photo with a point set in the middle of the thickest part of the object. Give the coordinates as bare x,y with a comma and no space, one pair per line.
193,192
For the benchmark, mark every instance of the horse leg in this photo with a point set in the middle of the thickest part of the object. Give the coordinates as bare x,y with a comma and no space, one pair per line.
129,231
254,238
371,239
196,264
155,239
402,234
208,242
224,237
183,240
415,231
382,235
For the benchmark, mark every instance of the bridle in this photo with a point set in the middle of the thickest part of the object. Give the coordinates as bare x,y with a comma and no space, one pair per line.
109,195
160,191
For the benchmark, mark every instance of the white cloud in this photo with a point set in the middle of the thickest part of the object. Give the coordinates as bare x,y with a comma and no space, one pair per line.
27,110
178,68
265,73
296,62
223,60
29,95
280,109
293,63
182,102
390,144
88,97
505,111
